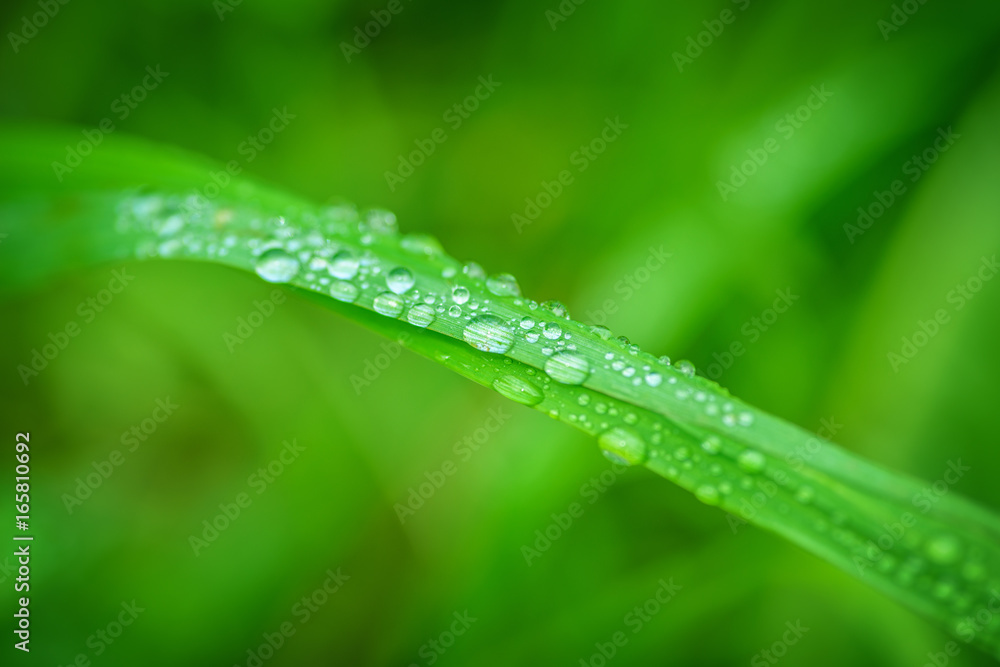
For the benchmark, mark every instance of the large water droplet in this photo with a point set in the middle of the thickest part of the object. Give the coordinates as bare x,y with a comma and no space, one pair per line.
707,494
420,315
517,389
276,266
399,280
489,334
567,367
459,294
503,284
751,461
388,304
344,291
557,309
685,367
344,265
943,549
623,446
551,330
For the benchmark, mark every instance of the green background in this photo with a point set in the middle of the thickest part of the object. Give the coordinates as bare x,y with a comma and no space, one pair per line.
656,185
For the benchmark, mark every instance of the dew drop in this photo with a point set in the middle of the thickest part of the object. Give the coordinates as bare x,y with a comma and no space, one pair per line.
341,290
567,368
276,266
551,330
420,315
455,311
503,284
943,549
685,367
527,323
399,280
517,389
707,494
712,445
751,461
388,304
344,265
473,270
601,332
623,446
557,309
654,379
459,294
489,334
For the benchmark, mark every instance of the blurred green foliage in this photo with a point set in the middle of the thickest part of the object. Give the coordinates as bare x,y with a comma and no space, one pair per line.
367,446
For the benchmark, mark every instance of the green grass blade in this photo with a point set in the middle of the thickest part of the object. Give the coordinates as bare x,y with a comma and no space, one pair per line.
937,553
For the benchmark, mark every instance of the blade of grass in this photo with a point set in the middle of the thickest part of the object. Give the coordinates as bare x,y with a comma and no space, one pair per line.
135,201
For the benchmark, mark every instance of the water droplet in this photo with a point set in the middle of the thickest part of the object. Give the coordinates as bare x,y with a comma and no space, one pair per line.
344,291
665,360
804,495
489,334
459,294
473,270
527,323
388,304
943,549
685,367
745,419
381,221
654,379
751,461
503,284
567,368
551,330
276,266
622,446
455,311
420,315
712,445
517,389
707,494
399,280
344,265
603,333
557,309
